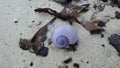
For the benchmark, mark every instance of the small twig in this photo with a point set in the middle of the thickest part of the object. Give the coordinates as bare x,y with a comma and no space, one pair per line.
52,12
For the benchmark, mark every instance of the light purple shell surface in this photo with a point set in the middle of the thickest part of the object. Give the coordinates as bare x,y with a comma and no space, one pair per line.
63,35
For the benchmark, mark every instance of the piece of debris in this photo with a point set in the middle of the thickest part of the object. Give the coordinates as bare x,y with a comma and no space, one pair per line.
87,62
71,16
99,6
101,24
104,0
91,27
44,51
102,35
63,66
117,14
31,64
15,21
103,45
72,47
24,44
115,3
34,47
33,21
63,2
76,65
49,42
23,60
94,20
114,40
67,60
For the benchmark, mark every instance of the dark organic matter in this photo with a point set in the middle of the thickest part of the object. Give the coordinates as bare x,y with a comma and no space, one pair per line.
71,15
76,65
63,2
67,60
104,0
31,64
44,51
114,40
117,14
24,44
36,47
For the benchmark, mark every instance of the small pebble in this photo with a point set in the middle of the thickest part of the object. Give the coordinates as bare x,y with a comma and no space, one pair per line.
103,45
15,21
33,21
76,65
31,64
102,35
87,62
67,60
38,24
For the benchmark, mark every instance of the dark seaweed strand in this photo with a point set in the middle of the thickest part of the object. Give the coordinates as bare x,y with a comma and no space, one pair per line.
40,32
67,60
43,31
56,14
53,12
114,41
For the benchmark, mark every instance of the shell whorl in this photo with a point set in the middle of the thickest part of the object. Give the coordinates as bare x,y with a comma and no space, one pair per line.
62,40
63,35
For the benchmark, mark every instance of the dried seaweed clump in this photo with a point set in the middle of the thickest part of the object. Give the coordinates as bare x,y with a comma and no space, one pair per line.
37,48
114,40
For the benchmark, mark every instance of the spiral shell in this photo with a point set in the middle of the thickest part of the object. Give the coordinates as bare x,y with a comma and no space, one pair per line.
64,35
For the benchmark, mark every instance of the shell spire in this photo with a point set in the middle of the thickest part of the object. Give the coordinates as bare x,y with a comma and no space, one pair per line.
64,35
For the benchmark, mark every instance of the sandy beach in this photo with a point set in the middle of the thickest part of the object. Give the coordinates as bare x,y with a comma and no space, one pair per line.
18,20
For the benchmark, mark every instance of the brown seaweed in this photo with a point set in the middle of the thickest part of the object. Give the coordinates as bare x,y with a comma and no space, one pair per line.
90,27
36,44
37,48
71,15
70,11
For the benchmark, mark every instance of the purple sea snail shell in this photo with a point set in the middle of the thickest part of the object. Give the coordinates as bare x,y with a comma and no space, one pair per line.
64,35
